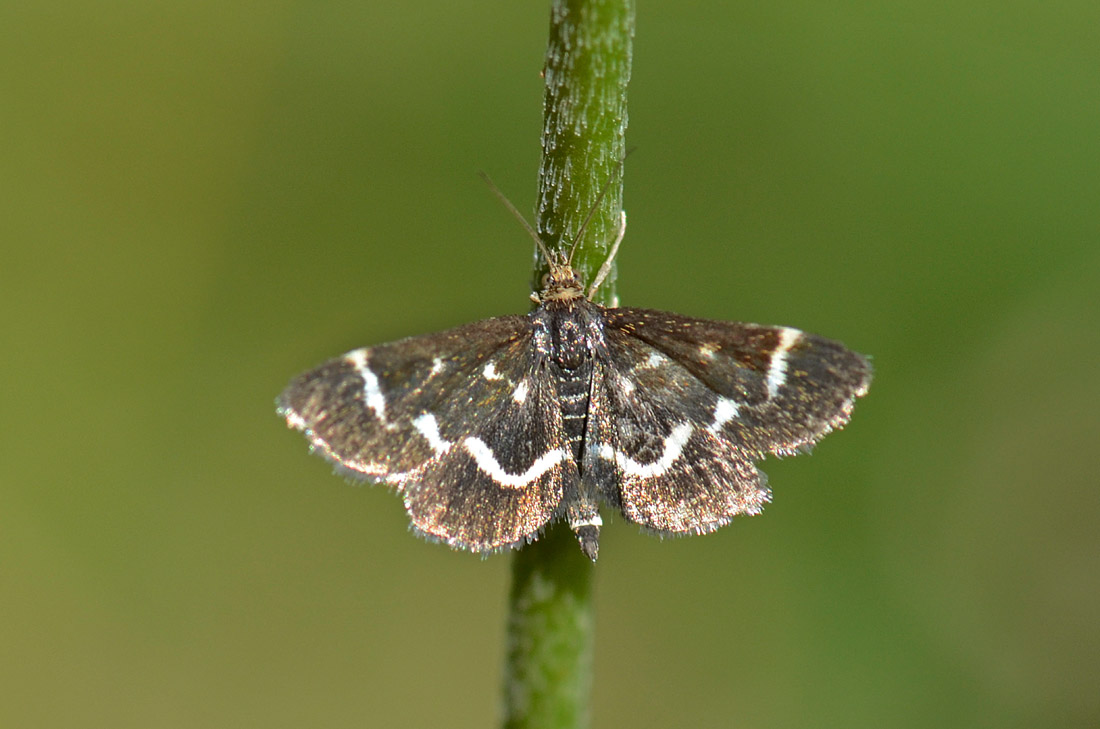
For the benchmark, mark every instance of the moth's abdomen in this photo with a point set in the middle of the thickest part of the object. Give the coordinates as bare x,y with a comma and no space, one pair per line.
573,387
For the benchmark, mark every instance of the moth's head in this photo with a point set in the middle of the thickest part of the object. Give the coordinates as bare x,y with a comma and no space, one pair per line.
561,283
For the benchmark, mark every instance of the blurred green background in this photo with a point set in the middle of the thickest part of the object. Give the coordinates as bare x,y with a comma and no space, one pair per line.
199,200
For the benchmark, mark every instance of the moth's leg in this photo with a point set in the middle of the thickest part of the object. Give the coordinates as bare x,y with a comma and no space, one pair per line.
606,267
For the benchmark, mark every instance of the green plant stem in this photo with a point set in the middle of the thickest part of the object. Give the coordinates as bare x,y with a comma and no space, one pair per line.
548,670
584,130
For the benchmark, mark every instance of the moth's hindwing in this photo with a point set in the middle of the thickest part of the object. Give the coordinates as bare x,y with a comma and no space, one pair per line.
653,451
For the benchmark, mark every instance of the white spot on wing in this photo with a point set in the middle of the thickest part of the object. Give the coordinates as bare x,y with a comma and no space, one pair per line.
293,419
488,463
725,410
520,393
437,367
490,372
674,446
428,427
372,391
707,350
777,371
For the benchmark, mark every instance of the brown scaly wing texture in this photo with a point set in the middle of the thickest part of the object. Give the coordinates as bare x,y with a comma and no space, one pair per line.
420,414
695,402
790,388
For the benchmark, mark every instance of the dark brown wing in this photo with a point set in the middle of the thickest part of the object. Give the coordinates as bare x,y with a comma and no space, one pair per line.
782,389
421,414
682,408
650,450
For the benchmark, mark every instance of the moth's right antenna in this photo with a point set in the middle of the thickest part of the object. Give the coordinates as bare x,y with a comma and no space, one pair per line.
596,204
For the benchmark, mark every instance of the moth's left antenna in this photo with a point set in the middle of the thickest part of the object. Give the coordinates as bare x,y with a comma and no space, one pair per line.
519,216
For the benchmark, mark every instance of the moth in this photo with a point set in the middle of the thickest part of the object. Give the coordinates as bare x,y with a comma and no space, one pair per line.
493,430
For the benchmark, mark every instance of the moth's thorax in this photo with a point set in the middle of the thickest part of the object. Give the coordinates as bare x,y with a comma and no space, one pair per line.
570,346
567,333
